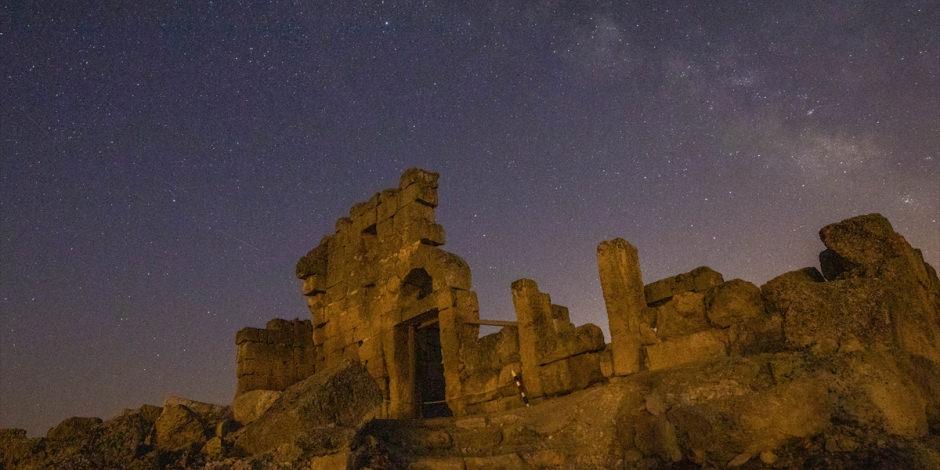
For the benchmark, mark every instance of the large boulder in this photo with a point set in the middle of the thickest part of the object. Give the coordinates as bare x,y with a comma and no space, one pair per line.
128,437
179,428
733,302
315,417
867,247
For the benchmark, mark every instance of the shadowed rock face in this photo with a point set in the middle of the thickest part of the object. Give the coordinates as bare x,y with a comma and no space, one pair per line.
831,369
315,417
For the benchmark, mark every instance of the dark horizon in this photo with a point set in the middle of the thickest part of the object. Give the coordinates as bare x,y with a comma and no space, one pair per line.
164,168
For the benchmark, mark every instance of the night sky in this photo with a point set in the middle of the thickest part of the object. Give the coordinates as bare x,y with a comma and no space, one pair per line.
163,167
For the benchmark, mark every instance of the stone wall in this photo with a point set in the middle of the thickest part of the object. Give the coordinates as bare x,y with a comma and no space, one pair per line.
381,282
556,357
274,357
380,278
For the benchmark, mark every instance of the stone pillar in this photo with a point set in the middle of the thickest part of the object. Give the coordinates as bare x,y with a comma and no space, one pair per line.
534,316
622,285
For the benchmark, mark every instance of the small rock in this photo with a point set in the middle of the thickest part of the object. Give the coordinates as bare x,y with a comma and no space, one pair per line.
840,443
741,459
655,404
213,448
768,457
632,455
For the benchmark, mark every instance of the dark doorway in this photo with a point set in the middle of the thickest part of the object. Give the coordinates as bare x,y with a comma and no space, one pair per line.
429,372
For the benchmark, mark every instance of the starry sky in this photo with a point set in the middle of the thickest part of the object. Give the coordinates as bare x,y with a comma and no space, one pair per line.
164,166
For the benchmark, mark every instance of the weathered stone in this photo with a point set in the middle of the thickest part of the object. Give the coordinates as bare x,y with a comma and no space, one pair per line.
622,285
776,291
275,357
555,356
249,406
744,421
681,315
702,346
74,428
437,463
214,448
822,316
697,280
533,311
178,427
741,459
733,302
768,457
504,461
209,413
569,374
656,436
863,246
317,415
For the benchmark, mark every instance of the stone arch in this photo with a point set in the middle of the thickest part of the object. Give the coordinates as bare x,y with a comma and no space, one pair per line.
416,285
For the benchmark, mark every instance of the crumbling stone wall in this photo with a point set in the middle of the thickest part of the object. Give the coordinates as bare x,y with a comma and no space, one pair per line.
556,356
274,357
689,317
380,277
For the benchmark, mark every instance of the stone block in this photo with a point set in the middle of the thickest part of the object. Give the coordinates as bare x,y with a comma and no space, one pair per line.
681,315
388,204
418,176
622,285
702,346
249,406
315,261
570,374
420,193
533,313
697,280
275,357
492,462
313,285
733,302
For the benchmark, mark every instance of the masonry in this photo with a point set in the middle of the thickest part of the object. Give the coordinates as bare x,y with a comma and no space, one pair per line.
383,292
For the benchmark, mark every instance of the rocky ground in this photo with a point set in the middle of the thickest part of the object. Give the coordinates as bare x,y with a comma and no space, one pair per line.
841,369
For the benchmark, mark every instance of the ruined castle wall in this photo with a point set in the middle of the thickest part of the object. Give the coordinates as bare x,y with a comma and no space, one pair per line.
380,278
274,357
556,357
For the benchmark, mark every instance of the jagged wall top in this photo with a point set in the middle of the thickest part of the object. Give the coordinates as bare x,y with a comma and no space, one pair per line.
394,217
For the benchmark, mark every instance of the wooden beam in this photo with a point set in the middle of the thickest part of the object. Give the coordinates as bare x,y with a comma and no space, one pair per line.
492,322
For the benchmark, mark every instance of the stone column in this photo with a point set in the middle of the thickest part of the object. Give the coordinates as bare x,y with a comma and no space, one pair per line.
534,316
622,285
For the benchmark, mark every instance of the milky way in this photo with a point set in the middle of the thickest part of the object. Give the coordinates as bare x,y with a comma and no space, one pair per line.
164,167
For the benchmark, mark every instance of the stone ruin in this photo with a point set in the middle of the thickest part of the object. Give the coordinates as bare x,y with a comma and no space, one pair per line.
830,367
382,292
